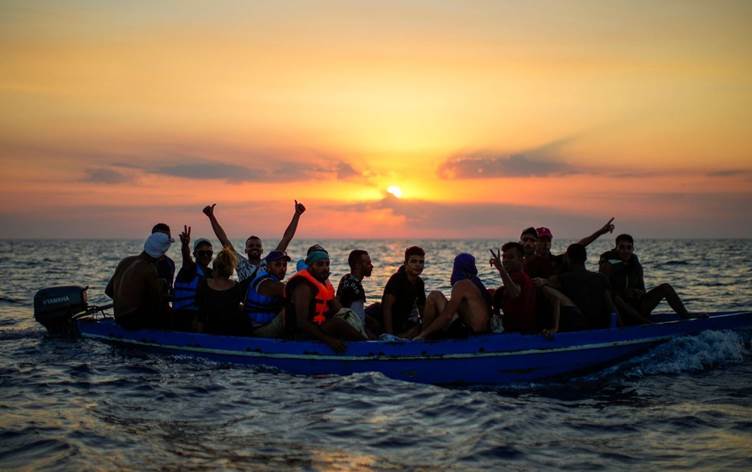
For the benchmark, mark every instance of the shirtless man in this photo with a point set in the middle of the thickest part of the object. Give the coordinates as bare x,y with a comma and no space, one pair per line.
253,247
469,300
139,294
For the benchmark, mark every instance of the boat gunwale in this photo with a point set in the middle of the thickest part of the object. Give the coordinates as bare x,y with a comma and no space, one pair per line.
563,342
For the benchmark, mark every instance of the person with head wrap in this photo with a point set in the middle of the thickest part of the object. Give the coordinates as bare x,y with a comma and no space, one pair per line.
470,302
140,297
311,306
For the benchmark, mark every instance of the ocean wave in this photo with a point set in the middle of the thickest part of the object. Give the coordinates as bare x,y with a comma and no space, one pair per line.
683,355
12,301
10,334
673,263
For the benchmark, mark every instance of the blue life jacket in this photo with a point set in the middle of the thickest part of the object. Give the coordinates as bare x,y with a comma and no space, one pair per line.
185,292
261,309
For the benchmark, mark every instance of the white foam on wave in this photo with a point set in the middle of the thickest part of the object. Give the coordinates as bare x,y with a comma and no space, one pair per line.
687,354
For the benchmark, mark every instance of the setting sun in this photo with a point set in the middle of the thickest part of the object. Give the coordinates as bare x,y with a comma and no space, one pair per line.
395,191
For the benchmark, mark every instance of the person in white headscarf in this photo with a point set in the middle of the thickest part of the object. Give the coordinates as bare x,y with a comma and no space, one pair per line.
140,297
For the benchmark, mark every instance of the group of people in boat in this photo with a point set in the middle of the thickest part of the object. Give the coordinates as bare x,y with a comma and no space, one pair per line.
539,292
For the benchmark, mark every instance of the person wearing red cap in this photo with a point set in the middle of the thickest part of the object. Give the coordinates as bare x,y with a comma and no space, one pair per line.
544,264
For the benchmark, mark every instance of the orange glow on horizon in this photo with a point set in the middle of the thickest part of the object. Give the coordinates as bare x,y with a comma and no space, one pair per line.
391,116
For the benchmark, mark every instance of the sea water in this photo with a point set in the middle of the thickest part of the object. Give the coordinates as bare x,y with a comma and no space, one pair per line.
85,405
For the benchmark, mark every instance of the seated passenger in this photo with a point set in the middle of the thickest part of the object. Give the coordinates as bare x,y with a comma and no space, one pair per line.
184,307
311,306
265,297
140,297
404,297
165,265
624,271
529,242
469,301
589,291
219,298
516,297
350,292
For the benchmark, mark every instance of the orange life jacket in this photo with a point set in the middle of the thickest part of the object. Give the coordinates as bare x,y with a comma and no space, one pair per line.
324,294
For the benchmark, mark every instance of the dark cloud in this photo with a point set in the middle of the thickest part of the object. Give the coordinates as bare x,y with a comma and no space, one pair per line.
106,176
275,171
231,164
208,171
486,219
488,166
689,215
731,173
346,171
542,161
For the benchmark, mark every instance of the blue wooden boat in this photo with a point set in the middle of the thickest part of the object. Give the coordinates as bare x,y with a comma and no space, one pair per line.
489,359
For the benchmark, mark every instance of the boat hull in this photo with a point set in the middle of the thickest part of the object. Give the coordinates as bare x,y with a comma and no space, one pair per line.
488,359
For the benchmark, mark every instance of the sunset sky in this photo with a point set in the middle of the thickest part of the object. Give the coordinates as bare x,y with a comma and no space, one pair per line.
488,117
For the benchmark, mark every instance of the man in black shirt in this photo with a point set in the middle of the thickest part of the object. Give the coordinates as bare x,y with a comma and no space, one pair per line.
625,274
588,290
405,296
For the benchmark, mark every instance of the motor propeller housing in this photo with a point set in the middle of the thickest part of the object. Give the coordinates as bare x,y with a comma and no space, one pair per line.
55,307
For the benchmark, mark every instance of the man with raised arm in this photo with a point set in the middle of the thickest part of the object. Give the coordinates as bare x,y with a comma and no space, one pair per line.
185,310
311,306
253,247
516,296
469,301
543,264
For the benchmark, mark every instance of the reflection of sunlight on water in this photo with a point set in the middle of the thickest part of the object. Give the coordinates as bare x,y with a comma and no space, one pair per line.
340,460
82,404
377,419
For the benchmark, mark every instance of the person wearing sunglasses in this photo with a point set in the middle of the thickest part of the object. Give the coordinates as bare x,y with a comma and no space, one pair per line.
191,274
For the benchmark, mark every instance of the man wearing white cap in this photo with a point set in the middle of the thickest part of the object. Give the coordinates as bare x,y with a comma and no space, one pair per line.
139,296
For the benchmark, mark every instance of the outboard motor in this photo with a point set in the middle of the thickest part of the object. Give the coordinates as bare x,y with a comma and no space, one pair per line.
56,307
